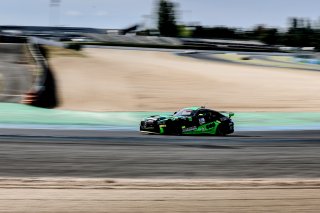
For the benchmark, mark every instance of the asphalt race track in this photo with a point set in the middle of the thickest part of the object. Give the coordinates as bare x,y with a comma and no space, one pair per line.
119,154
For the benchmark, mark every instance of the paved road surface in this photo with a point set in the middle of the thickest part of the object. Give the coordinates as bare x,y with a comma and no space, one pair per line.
108,155
16,78
42,153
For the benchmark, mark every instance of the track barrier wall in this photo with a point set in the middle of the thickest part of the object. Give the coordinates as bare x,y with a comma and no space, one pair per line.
43,90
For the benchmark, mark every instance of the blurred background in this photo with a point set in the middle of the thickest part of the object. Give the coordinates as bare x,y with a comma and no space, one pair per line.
78,76
273,23
161,55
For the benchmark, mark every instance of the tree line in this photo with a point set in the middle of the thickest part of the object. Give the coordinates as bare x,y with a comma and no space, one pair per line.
300,32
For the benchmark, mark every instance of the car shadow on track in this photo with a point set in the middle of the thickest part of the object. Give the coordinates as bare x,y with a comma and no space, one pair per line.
207,146
208,136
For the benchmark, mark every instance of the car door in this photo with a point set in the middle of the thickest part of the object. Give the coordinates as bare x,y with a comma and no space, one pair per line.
205,121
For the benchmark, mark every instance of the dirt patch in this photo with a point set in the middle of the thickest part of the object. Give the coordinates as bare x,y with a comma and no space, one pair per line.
125,80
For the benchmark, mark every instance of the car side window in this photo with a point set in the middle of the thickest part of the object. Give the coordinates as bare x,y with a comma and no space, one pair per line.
213,116
200,113
202,116
209,116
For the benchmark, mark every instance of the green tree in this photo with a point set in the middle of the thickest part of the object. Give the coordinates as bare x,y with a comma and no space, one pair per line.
300,34
167,19
267,35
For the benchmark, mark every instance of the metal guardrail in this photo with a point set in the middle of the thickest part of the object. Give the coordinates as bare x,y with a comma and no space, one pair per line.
180,42
37,40
132,39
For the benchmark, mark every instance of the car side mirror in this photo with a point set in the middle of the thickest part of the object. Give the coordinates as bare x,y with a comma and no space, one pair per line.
231,114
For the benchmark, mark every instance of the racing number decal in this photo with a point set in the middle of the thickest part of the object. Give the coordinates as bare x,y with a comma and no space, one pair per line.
202,121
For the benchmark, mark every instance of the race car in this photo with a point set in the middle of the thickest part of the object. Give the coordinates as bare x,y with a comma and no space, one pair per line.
189,121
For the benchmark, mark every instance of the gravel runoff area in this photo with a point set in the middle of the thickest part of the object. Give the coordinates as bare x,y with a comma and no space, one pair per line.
120,195
131,80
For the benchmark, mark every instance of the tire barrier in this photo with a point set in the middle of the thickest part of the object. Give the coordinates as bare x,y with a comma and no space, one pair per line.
29,98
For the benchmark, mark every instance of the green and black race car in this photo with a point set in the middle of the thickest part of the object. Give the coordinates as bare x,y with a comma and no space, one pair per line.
189,121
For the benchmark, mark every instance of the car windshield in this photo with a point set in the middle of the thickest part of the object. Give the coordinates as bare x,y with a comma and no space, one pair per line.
185,112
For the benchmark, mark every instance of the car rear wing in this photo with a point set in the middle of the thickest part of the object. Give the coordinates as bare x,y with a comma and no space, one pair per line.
230,114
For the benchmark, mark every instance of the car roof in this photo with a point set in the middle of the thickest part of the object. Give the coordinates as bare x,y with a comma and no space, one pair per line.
197,108
192,108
